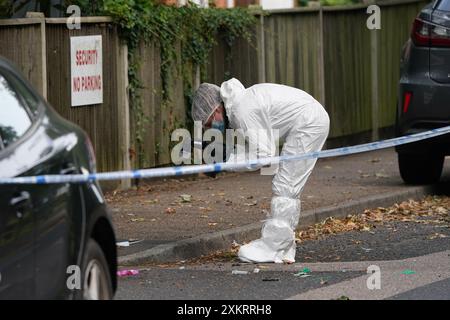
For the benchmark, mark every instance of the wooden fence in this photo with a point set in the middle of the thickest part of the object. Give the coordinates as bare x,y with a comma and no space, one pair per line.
328,52
41,49
160,118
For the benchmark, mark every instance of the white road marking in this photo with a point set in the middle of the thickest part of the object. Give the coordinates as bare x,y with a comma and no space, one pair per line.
428,269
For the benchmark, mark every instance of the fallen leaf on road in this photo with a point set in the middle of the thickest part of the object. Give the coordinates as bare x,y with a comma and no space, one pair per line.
408,211
170,210
441,210
235,245
351,224
212,224
436,236
186,198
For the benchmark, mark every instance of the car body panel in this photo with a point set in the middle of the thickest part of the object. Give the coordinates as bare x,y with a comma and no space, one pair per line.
17,240
425,74
440,57
60,217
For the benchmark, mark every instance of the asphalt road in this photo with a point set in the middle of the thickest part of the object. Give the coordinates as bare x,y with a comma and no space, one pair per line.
234,200
414,263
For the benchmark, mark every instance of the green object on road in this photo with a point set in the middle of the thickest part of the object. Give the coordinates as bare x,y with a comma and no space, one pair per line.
303,273
407,271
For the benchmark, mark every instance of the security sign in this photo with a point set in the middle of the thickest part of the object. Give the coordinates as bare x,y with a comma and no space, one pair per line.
86,70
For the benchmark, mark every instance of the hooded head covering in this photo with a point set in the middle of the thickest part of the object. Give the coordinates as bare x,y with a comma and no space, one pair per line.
206,99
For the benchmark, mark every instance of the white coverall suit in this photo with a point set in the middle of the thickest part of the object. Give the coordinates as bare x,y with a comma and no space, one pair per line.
304,124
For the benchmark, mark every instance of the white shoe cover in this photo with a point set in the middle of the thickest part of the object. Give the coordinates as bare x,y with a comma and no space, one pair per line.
259,252
256,251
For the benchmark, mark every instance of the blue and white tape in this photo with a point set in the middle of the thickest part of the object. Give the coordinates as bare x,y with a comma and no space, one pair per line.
248,165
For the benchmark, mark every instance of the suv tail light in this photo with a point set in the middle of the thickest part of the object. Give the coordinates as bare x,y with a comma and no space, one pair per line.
430,35
406,101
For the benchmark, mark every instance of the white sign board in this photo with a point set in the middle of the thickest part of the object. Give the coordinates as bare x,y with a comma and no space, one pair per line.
86,70
276,4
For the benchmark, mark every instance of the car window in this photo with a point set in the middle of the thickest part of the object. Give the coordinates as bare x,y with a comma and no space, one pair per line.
31,100
443,5
14,117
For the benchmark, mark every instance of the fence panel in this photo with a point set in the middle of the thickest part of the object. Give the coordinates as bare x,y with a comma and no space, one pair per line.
101,121
240,61
347,71
292,50
23,43
396,25
161,117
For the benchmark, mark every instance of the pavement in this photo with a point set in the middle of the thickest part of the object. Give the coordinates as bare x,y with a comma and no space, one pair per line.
412,257
177,219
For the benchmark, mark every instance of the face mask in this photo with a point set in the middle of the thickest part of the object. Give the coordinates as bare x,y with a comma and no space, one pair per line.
219,125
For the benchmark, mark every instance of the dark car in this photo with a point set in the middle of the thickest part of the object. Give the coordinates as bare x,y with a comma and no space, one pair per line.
56,240
424,94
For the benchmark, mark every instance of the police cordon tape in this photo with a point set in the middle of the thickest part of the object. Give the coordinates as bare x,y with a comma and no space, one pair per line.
226,166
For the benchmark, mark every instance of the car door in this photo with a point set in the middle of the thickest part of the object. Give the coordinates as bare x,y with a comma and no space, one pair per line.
48,210
17,222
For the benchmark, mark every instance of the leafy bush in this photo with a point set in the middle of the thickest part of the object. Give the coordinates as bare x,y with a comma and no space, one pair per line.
5,8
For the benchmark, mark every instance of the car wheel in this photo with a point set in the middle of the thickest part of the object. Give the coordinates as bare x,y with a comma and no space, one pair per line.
96,277
420,168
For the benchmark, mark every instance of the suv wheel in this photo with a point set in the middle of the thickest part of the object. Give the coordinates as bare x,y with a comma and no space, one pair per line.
96,277
420,168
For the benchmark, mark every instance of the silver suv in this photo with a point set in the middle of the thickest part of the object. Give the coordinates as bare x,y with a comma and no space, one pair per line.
424,94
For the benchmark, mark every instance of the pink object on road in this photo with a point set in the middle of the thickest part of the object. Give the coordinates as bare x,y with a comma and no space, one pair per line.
124,273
